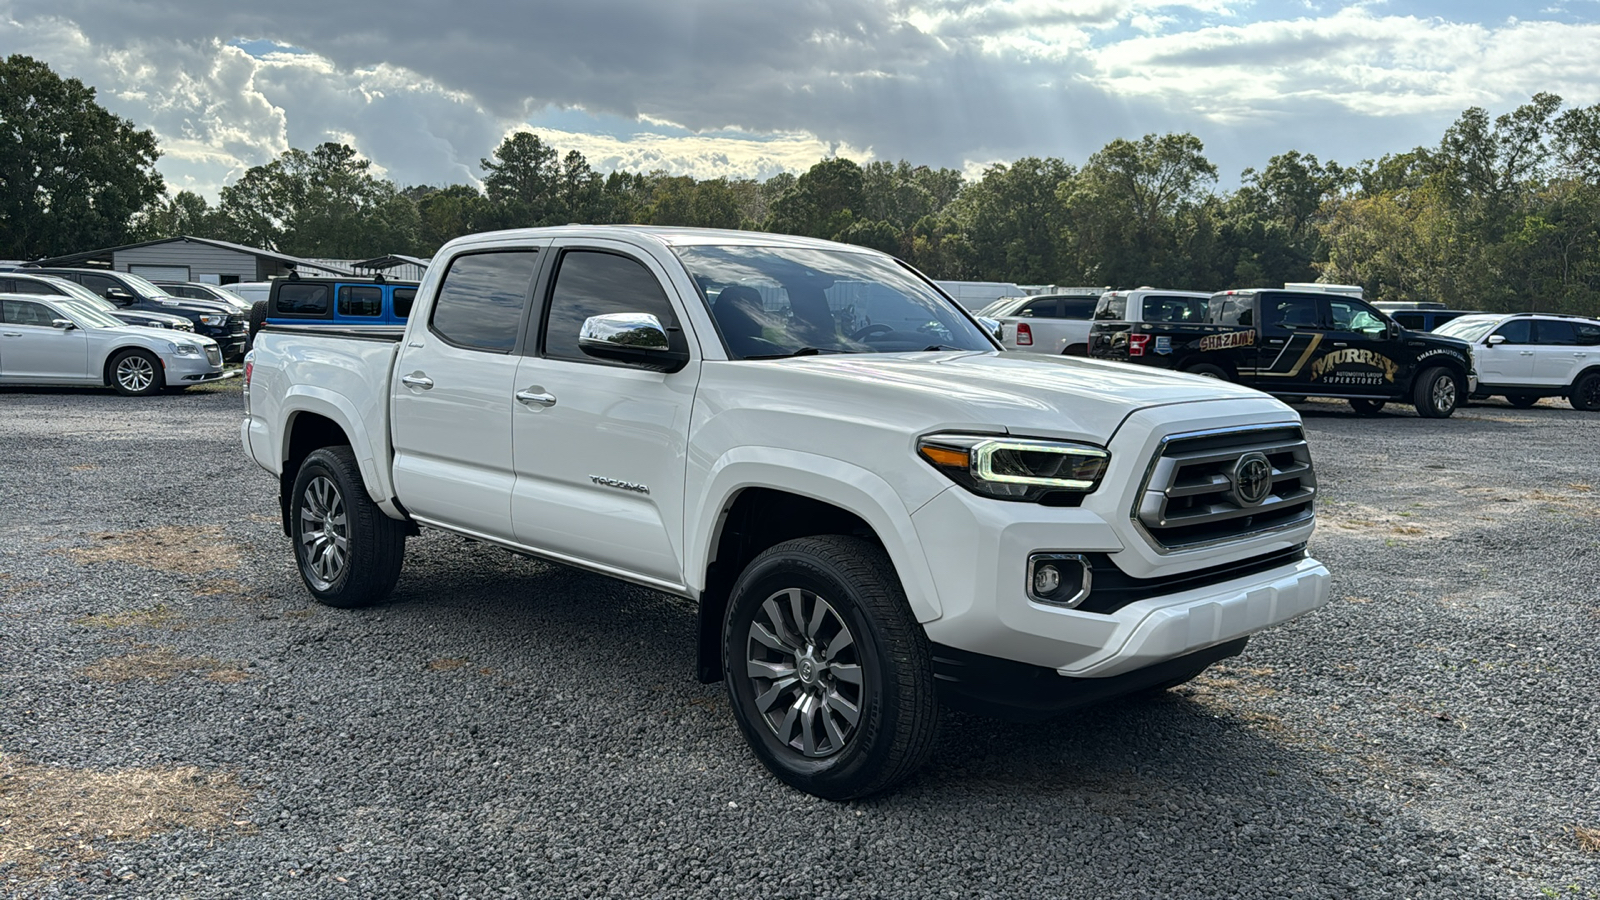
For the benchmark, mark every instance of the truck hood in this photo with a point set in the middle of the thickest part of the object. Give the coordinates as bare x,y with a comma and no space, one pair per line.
1045,396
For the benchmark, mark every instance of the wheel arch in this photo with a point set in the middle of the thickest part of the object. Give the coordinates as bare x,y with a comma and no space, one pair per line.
314,418
114,352
758,502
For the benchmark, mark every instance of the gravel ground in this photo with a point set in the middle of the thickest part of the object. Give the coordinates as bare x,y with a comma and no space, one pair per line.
178,719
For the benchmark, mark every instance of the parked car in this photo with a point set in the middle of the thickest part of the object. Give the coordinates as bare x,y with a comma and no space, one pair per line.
1428,318
1527,356
1296,344
130,291
53,286
874,508
63,341
351,303
199,290
1151,305
1046,323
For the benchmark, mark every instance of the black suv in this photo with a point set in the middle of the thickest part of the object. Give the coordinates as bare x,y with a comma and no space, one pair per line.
129,291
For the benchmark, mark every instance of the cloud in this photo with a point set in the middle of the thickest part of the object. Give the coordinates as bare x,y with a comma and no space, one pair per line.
748,88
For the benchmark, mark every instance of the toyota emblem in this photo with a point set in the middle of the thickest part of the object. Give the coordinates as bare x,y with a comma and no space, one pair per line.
1252,479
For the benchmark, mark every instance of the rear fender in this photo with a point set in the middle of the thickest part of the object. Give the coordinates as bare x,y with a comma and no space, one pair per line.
367,447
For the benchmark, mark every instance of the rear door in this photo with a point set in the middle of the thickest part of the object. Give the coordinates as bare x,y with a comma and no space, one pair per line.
600,447
1558,355
1291,338
452,393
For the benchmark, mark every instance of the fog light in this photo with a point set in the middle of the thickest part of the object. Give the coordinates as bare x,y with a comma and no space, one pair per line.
1059,579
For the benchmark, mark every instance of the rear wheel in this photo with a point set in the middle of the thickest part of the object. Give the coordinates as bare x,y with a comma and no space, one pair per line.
137,373
829,674
349,553
1207,370
258,317
1585,393
1521,401
1435,393
1367,407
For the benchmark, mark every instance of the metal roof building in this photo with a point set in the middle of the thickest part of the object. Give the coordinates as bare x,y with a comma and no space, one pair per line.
185,258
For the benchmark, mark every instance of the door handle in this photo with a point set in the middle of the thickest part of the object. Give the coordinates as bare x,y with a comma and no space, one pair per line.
13,334
1275,340
534,396
1340,344
417,380
1527,353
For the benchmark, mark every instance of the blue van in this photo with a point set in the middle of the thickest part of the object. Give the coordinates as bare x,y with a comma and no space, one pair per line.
340,302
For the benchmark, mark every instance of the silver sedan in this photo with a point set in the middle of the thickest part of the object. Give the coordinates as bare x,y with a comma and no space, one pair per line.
63,341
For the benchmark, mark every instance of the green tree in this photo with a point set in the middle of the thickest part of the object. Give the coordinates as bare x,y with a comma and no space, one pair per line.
1004,227
523,183
447,213
823,201
71,174
186,213
325,203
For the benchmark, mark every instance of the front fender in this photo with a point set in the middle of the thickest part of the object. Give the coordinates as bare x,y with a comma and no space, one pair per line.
849,487
367,447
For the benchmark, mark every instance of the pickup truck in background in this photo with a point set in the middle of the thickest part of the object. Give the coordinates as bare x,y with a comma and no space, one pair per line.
1300,344
1056,323
874,508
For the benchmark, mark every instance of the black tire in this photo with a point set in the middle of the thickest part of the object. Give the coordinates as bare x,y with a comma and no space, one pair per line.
1521,401
1207,370
362,571
1365,407
1295,398
1585,394
1076,350
1436,393
136,373
258,317
864,652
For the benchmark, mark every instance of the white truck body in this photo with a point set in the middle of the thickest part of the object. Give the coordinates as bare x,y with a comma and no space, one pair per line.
644,475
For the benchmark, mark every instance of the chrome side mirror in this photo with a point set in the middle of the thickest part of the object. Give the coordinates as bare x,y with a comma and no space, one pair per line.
63,324
637,339
995,327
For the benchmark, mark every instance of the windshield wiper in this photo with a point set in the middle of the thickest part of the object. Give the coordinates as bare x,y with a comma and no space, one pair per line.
803,351
940,347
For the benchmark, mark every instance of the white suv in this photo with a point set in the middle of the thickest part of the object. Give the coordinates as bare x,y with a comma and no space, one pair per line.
1527,356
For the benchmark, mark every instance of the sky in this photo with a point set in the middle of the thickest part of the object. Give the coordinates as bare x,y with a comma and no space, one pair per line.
751,88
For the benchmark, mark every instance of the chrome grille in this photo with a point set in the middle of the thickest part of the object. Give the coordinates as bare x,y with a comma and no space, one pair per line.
214,356
1193,496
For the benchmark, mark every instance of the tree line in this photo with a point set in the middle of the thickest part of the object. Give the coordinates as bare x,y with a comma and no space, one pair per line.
1502,214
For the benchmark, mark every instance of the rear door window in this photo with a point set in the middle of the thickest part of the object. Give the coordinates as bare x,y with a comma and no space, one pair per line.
360,300
1554,331
1042,309
1077,307
482,300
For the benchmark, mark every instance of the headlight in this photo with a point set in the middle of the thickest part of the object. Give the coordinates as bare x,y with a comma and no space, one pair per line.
214,321
1031,471
184,349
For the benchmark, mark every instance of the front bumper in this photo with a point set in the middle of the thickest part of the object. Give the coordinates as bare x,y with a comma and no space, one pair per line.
186,370
978,550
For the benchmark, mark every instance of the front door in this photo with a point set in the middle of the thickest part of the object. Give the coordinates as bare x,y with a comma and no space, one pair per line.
1510,359
452,394
33,349
601,447
1356,358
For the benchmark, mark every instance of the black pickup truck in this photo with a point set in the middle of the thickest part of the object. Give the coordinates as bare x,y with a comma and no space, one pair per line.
1302,344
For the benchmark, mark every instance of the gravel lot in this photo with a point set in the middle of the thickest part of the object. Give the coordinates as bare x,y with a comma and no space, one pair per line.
178,719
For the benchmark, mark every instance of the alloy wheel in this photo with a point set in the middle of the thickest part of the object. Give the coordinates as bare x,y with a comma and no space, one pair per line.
805,671
135,373
324,532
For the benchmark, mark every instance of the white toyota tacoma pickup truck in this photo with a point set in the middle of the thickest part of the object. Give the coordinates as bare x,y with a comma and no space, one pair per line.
875,509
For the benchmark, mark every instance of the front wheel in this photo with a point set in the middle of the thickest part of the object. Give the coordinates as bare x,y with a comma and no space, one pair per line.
1435,393
1522,401
1585,393
348,552
1367,407
137,373
829,674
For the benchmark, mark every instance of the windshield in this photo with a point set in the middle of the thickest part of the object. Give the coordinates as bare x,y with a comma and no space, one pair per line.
1468,329
783,301
84,314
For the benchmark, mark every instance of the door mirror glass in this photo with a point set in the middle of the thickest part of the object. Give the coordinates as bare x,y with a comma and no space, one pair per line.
633,338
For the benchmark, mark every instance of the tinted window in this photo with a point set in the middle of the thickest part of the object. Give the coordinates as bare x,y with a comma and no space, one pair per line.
1353,315
1231,309
1041,309
25,312
360,300
1112,307
301,299
24,286
1552,331
1077,307
1289,311
1412,320
1158,308
100,284
482,298
403,298
591,283
1515,331
1588,335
